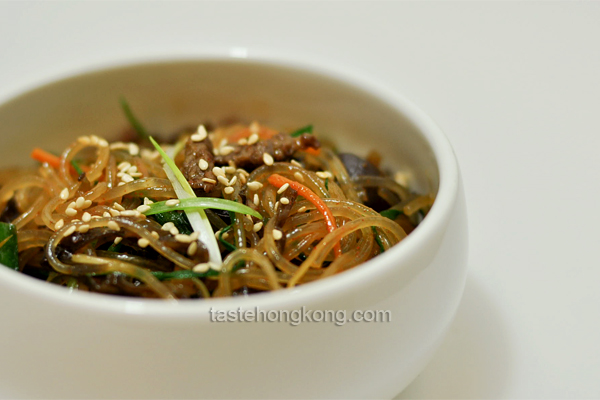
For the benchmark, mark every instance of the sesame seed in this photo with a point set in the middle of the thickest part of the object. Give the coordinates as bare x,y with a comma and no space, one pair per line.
243,141
114,213
231,163
155,235
71,212
277,234
232,181
216,151
203,164
96,217
64,194
168,226
200,134
195,235
112,225
268,159
225,150
229,169
136,174
79,202
119,207
127,178
134,149
276,206
70,231
87,217
201,267
254,127
121,184
223,143
208,180
84,228
124,166
257,226
130,213
296,163
228,190
225,235
86,204
218,171
243,179
298,177
72,205
59,224
172,202
143,243
147,201
284,200
302,209
192,248
254,185
213,266
117,240
223,180
196,138
143,208
283,188
183,238
255,199
174,231
132,170
253,139
106,214
324,174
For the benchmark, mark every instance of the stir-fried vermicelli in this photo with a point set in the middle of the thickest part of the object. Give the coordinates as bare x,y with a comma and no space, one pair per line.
231,210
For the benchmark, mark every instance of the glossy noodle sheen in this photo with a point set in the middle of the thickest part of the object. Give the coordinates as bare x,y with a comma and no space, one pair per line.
86,218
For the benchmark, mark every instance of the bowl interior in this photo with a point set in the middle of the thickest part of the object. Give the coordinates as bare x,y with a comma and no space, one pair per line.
167,96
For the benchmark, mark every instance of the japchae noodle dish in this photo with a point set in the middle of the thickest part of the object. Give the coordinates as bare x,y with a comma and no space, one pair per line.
210,211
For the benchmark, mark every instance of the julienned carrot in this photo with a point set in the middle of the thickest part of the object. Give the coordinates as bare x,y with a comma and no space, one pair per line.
278,181
313,151
45,157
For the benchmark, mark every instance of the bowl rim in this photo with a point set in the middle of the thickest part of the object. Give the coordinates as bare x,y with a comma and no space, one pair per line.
304,295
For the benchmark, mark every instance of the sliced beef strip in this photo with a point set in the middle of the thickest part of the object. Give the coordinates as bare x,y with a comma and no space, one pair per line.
281,146
194,152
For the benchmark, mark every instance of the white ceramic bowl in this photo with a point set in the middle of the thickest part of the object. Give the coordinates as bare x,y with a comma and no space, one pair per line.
58,344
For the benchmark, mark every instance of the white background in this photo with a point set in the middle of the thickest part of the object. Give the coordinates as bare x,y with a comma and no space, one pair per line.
516,87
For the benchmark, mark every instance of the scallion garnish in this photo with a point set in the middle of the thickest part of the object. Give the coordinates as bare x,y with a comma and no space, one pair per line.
77,168
304,129
183,274
196,203
225,243
391,213
173,167
135,123
197,218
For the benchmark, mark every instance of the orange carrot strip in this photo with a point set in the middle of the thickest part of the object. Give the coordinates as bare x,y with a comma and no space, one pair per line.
278,181
313,151
45,157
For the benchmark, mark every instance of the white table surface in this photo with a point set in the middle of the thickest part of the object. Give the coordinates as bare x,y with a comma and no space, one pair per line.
516,87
